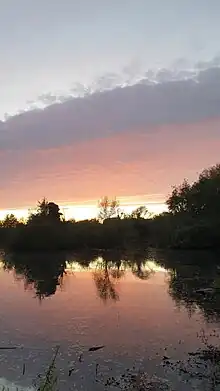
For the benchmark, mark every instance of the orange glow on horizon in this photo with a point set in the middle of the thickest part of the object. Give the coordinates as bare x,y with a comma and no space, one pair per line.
145,163
89,211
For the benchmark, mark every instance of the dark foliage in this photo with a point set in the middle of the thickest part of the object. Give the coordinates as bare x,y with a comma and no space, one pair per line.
194,280
44,272
45,230
192,221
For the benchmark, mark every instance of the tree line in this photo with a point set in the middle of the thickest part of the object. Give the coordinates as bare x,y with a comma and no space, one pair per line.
193,218
192,221
47,229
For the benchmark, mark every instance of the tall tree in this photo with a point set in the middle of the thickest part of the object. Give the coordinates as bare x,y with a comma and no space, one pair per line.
179,200
54,211
140,213
108,208
46,211
202,198
206,192
43,207
10,221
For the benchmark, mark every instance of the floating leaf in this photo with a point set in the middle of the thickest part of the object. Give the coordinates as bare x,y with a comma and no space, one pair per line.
94,348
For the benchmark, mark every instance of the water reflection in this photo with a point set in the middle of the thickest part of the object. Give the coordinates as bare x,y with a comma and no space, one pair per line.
106,276
44,273
144,325
193,278
194,281
41,273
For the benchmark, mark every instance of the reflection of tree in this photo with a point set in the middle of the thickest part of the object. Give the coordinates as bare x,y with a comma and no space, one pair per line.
112,268
106,277
138,263
83,258
194,281
41,273
141,270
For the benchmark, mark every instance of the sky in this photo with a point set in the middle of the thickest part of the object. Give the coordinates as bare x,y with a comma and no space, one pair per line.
106,97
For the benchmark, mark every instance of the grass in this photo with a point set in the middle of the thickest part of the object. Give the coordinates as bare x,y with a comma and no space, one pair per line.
131,379
47,381
202,365
50,380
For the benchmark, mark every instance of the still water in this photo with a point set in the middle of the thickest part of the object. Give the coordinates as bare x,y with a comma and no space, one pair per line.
143,309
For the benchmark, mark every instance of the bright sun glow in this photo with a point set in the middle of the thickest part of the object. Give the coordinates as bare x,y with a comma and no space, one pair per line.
86,211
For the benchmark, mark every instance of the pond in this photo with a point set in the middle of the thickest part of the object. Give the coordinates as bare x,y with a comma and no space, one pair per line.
145,311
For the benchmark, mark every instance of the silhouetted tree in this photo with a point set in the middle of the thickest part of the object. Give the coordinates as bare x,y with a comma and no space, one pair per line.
140,213
43,207
45,212
54,211
206,193
193,221
108,208
201,198
10,221
179,200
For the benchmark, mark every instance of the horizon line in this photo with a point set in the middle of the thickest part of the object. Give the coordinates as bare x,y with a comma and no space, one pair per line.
94,202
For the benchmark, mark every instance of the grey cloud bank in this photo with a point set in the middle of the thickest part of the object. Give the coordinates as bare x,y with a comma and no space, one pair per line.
137,107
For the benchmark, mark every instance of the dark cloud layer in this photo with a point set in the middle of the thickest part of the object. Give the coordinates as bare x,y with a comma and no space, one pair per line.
140,106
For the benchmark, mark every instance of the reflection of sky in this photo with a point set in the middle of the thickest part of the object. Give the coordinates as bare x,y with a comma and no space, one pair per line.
142,324
74,266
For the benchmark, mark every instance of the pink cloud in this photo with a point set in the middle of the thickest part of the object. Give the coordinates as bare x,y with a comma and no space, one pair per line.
127,164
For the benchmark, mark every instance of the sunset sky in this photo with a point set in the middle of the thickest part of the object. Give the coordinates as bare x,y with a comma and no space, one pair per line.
118,98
